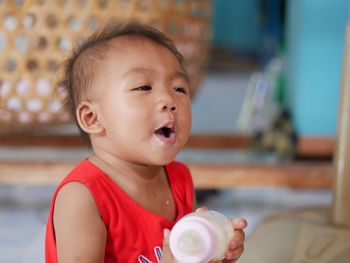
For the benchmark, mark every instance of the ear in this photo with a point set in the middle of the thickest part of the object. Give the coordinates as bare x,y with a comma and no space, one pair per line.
88,119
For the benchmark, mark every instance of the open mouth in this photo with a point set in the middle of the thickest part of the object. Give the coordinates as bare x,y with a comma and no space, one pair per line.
166,133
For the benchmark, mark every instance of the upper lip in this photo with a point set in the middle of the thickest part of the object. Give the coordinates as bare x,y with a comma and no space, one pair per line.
168,124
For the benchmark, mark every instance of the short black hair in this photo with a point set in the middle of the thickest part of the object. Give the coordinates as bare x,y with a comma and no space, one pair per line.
79,69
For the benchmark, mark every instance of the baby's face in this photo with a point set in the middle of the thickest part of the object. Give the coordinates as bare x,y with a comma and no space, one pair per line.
143,102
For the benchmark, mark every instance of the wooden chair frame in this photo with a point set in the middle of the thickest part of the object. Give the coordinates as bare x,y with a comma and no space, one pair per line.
305,174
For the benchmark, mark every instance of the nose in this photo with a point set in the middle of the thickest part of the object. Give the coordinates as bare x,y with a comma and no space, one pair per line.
166,106
167,103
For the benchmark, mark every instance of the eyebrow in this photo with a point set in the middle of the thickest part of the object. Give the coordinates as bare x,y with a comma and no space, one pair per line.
176,73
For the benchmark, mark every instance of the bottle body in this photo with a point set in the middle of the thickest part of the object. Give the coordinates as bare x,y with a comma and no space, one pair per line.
200,237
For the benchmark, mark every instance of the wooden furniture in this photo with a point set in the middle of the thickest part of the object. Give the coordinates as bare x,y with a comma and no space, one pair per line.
341,208
313,236
301,174
297,236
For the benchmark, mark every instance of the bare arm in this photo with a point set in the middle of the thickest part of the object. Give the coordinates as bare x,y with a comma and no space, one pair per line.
80,232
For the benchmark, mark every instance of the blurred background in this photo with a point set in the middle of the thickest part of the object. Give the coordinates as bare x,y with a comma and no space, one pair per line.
266,102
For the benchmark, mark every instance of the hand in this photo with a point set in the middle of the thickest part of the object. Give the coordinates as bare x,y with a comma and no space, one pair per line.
236,245
167,255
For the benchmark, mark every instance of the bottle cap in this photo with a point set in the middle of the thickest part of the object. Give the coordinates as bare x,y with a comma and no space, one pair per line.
193,240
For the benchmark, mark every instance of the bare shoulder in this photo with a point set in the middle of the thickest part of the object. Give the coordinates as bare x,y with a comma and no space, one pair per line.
79,229
73,194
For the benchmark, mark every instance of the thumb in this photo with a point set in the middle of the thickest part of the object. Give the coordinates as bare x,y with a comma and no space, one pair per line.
203,208
167,256
166,234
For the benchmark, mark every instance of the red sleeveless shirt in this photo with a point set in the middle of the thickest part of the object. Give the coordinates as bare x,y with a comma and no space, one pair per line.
134,234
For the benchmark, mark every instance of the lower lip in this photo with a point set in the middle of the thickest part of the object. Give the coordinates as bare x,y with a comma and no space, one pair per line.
167,140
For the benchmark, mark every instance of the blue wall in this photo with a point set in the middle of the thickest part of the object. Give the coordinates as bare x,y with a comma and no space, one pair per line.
315,46
237,25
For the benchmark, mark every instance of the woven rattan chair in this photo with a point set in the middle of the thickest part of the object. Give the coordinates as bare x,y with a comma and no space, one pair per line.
36,35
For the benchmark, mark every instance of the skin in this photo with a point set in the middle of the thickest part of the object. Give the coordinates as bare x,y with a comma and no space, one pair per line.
236,246
142,88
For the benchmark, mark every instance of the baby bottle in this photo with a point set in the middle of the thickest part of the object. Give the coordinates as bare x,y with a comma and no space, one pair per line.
200,237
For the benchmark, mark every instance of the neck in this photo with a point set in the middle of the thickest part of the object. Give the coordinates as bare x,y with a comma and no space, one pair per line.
147,185
121,170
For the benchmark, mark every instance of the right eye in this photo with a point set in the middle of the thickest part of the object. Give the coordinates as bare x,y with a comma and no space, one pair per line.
143,88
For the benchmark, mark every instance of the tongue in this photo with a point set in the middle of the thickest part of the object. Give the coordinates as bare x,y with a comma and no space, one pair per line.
166,136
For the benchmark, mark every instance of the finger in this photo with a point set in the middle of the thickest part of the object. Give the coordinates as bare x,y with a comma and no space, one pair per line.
237,240
233,255
239,223
167,256
166,233
203,208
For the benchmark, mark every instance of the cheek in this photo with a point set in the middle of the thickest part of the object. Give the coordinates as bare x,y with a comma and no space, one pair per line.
115,115
127,110
188,110
186,116
135,120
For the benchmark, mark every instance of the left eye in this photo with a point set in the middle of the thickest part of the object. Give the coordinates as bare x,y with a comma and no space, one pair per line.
143,88
180,89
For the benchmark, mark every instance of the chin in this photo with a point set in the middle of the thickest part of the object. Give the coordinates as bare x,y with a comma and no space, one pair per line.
164,160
